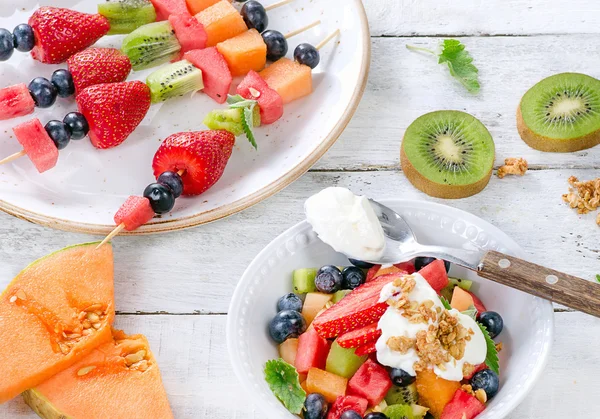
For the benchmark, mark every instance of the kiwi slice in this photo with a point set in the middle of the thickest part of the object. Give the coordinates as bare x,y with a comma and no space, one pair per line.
303,280
402,395
174,80
230,120
399,411
448,154
561,113
465,284
151,45
125,16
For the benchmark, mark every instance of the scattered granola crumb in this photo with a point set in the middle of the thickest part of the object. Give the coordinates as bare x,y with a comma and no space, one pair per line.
513,166
481,395
584,196
499,346
598,219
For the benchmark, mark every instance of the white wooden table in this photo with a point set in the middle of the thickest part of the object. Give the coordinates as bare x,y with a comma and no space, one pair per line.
175,288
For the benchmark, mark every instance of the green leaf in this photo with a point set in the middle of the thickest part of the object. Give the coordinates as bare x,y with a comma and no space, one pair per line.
248,125
445,303
234,99
491,358
598,278
460,64
284,382
471,312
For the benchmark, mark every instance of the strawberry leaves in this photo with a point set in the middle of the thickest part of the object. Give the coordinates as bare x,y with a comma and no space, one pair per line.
491,357
284,382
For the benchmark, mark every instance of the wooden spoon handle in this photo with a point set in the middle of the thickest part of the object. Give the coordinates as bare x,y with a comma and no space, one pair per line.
549,284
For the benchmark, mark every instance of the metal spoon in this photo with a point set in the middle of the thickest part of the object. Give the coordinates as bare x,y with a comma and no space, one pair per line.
573,292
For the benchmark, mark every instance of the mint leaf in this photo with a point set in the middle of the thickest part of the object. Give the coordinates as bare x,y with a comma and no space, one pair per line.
248,125
598,278
491,357
231,100
459,62
471,312
445,303
284,382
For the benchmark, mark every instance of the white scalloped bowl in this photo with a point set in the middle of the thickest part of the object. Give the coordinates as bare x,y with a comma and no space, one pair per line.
529,321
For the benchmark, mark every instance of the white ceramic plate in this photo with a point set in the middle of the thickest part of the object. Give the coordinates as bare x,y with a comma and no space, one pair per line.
85,189
528,320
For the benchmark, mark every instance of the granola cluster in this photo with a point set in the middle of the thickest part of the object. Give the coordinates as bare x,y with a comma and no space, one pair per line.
513,166
479,394
584,196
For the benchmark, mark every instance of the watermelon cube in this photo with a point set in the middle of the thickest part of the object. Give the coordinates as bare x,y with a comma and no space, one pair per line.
221,21
215,72
344,403
312,351
462,406
371,382
269,101
134,213
196,6
435,273
244,52
189,32
15,101
166,8
290,79
37,144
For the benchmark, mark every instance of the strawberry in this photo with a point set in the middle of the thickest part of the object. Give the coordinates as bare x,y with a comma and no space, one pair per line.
202,155
113,110
367,349
359,308
98,65
359,337
60,33
372,272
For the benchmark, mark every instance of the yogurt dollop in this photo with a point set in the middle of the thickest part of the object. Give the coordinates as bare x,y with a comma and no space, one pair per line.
346,222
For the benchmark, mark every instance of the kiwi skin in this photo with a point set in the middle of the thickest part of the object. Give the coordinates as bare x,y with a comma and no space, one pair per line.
541,143
436,190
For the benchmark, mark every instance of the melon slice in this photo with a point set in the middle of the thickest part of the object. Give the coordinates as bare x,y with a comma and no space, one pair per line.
37,144
290,79
166,8
189,32
244,52
15,101
196,6
269,102
119,380
221,21
215,73
54,313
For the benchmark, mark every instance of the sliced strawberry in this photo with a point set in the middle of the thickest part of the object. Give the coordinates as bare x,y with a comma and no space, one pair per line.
135,212
60,33
98,65
372,272
113,110
359,337
359,308
367,349
202,155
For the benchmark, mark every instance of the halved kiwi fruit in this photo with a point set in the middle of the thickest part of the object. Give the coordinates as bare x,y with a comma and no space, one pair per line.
561,113
151,45
448,154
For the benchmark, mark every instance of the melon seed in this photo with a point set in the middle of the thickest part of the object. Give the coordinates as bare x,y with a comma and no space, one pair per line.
93,317
85,370
97,325
136,357
255,93
86,332
13,299
21,295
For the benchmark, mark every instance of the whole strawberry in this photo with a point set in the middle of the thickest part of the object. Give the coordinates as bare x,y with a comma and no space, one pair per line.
98,65
113,110
202,156
60,33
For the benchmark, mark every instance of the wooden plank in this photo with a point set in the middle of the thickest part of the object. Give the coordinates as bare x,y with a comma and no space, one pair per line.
192,354
481,17
196,270
404,85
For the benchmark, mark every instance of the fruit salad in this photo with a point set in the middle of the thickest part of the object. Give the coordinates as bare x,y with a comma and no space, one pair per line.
369,341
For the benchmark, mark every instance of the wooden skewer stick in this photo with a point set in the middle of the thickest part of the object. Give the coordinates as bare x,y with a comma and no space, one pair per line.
329,38
278,4
303,29
13,157
112,234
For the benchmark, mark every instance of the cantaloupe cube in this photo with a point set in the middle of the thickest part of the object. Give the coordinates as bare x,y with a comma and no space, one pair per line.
290,79
389,270
244,52
288,350
329,385
313,304
461,299
196,6
435,392
221,21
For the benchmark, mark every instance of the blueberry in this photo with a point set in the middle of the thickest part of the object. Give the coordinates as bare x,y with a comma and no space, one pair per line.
161,198
361,264
277,45
43,92
315,407
255,16
287,324
7,44
77,124
421,262
493,322
401,378
329,279
24,38
376,415
59,132
173,181
63,81
353,277
487,380
350,414
308,55
290,302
